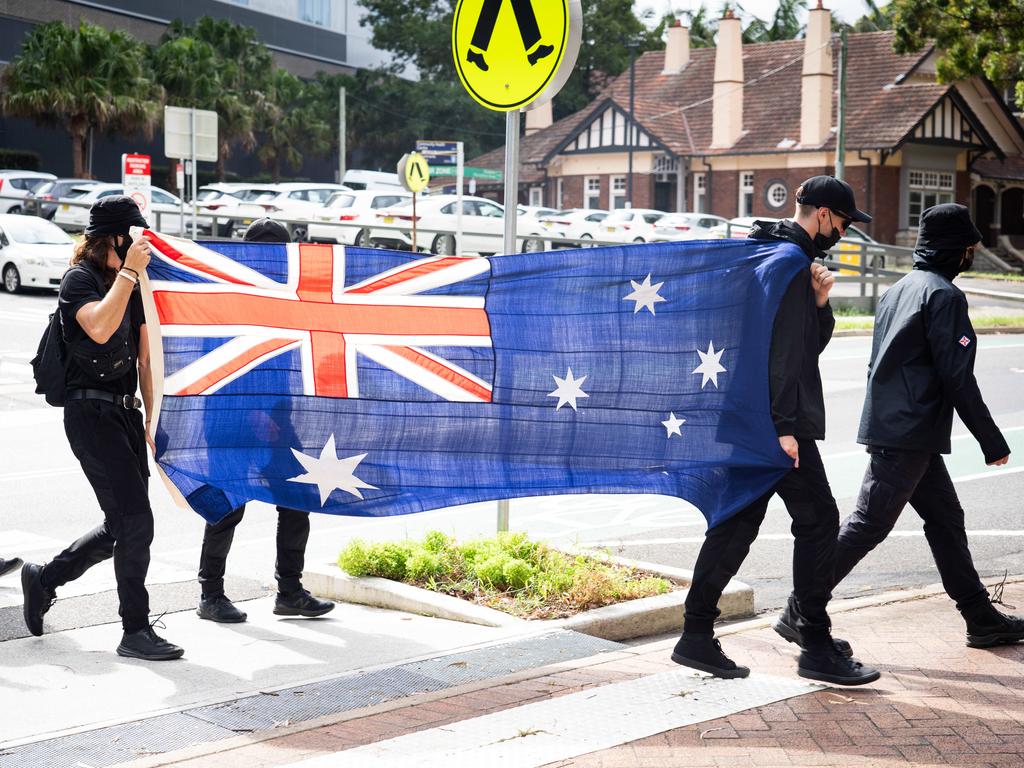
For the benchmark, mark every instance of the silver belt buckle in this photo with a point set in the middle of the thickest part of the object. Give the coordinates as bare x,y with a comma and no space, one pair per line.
128,402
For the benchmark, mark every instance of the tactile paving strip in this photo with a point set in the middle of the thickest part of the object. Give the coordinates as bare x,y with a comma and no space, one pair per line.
164,733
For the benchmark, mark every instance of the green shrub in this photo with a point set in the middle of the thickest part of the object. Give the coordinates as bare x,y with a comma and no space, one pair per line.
435,541
389,559
19,159
355,558
424,565
516,573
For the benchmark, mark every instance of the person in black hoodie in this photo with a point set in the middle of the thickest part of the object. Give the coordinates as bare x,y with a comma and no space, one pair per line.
921,370
803,327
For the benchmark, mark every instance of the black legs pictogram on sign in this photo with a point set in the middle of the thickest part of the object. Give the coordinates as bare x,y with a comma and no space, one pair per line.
526,20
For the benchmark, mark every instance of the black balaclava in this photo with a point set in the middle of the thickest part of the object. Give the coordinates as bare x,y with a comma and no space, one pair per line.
945,234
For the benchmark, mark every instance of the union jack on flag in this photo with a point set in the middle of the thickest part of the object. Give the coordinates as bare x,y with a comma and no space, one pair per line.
394,318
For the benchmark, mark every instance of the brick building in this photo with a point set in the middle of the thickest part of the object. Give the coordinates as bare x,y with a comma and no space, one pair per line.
732,130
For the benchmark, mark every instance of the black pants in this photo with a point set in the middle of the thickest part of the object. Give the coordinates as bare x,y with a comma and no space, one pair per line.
893,479
110,443
292,535
810,504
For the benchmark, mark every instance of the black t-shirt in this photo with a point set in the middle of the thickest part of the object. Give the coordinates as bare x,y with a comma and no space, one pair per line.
113,366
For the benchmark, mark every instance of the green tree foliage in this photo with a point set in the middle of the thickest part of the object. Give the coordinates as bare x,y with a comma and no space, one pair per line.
876,19
784,25
288,124
975,37
82,78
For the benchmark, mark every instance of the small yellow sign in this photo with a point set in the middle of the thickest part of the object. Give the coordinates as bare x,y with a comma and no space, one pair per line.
507,52
414,172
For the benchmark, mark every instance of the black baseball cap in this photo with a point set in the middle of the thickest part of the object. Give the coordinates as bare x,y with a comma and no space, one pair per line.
947,226
114,216
267,231
829,192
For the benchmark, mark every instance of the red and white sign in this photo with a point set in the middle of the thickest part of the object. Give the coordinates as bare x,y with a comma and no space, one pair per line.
135,175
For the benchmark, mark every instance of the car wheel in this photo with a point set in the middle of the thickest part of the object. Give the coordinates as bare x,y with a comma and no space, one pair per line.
12,278
533,245
638,240
443,245
362,239
585,236
224,230
15,209
299,233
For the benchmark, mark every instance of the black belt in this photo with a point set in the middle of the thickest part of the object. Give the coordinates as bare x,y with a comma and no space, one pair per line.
125,401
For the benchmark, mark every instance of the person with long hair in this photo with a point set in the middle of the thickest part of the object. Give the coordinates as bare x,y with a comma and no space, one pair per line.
104,327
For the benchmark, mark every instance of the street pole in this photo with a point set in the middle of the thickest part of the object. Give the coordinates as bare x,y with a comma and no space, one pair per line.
459,173
841,110
342,148
511,211
195,173
629,125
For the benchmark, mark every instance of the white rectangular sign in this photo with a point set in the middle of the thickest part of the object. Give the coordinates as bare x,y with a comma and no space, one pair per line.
136,178
178,133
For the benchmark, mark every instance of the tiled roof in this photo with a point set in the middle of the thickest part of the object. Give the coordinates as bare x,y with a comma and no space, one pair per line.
677,108
1009,169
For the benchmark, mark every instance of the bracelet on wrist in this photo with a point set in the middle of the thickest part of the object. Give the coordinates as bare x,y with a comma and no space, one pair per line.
132,271
129,278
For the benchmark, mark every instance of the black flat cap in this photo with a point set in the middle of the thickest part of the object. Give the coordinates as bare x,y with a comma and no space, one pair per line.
829,192
113,216
267,231
947,227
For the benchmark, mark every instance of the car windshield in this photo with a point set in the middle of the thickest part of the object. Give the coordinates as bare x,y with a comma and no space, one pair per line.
340,200
45,189
209,194
30,230
77,192
620,215
266,194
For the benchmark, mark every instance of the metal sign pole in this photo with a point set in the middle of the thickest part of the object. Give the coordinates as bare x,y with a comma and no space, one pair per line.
195,173
341,135
512,120
459,171
414,222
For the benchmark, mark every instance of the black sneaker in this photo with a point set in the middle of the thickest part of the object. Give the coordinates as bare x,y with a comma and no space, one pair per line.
147,645
704,652
6,566
785,626
994,628
38,599
301,603
218,608
828,666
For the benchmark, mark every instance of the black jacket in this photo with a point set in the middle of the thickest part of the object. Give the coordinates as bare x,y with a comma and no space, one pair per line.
922,367
801,332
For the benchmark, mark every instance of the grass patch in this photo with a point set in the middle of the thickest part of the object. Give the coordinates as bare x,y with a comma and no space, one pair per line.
508,572
867,322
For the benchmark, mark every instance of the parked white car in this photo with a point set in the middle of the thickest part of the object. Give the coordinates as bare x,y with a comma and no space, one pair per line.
738,227
15,186
630,225
296,200
483,226
685,226
574,225
165,215
348,216
220,196
34,252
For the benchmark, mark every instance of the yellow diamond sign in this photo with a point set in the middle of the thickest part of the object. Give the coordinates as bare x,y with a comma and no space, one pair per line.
509,53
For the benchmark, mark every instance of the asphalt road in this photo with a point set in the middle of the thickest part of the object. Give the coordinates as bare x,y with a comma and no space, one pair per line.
45,501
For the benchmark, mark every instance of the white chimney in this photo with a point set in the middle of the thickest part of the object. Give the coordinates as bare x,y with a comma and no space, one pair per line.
539,118
816,83
677,49
727,108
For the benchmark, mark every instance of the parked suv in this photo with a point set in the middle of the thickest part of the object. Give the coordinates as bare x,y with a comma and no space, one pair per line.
42,201
15,185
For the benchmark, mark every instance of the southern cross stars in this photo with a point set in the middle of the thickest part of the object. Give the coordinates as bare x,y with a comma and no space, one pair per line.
568,390
672,425
644,294
329,472
710,366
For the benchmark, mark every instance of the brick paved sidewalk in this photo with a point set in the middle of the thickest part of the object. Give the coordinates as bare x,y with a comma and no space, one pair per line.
938,703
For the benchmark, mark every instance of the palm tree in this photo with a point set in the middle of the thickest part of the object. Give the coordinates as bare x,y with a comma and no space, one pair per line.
82,78
289,125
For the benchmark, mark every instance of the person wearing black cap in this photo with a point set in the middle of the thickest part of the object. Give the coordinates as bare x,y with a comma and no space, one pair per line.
292,530
108,360
921,370
802,328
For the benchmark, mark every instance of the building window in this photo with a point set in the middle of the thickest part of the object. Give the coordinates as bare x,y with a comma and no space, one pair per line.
592,192
776,194
559,193
618,193
746,202
700,188
315,12
925,189
537,196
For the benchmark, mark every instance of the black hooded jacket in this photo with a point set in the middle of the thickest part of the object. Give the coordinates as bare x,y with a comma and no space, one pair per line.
800,334
922,364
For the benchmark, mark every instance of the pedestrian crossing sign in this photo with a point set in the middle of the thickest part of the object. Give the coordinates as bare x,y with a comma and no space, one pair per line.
509,53
413,172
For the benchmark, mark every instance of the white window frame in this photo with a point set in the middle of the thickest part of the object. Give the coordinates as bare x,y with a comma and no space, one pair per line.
537,196
745,201
616,193
559,193
591,192
700,190
926,188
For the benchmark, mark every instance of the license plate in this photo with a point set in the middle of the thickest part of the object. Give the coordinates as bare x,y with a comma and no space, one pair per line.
247,222
609,229
389,219
548,224
65,207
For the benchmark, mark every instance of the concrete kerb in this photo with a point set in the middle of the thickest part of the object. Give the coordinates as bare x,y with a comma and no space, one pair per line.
628,620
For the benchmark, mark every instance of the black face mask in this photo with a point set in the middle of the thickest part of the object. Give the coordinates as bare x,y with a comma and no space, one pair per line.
825,242
121,245
968,260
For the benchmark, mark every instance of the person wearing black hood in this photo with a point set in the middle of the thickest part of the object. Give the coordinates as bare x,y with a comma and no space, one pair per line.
921,370
803,327
104,326
292,530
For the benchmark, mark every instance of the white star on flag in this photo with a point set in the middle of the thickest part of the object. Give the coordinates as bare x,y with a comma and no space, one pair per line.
569,389
672,425
644,294
329,472
710,366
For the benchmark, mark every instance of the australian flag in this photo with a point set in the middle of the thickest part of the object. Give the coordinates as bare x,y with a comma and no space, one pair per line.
369,382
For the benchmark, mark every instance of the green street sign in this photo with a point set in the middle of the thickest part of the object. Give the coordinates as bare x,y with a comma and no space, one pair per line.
480,174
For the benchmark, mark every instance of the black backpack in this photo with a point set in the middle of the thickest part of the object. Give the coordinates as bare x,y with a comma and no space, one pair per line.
49,366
